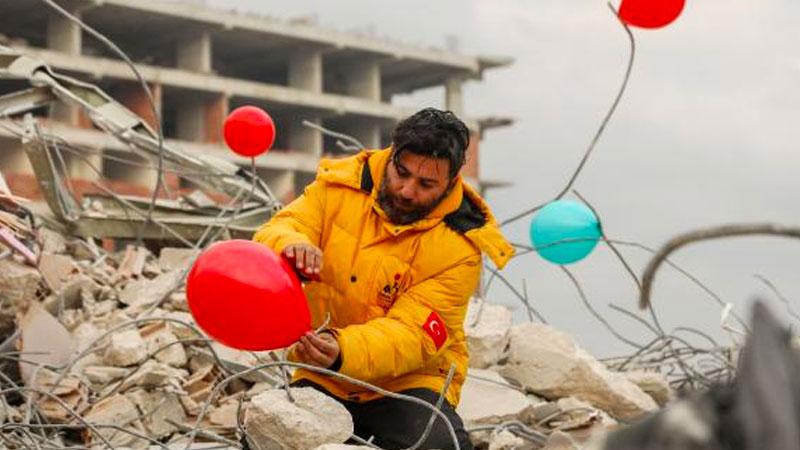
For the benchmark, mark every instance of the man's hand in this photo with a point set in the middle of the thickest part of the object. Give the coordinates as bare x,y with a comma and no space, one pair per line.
318,349
307,259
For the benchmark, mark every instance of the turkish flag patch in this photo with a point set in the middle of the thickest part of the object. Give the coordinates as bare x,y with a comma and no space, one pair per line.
435,328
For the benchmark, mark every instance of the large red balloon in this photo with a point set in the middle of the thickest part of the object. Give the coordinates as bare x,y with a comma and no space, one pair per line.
245,296
249,131
650,13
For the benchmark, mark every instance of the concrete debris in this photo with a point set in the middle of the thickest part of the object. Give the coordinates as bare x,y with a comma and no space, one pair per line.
163,345
159,411
225,415
505,440
146,292
575,414
56,392
550,363
117,410
132,263
313,419
51,242
102,375
44,342
654,384
559,440
55,269
486,399
171,258
109,336
154,374
126,349
18,283
487,328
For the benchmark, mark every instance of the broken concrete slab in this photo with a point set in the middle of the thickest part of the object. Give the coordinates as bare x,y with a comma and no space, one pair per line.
69,390
132,263
652,383
487,329
18,282
152,374
576,414
116,409
44,341
163,345
313,419
72,293
549,363
486,399
103,375
558,440
178,301
156,407
198,386
86,334
183,332
199,199
143,293
225,415
126,349
56,269
51,241
172,258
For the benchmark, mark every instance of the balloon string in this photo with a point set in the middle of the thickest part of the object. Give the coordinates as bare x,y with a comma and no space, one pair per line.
600,130
325,324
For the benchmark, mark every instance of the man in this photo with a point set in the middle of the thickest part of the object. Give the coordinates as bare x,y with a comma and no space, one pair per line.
391,244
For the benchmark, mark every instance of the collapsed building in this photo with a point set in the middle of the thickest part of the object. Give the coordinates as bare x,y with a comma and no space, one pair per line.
199,63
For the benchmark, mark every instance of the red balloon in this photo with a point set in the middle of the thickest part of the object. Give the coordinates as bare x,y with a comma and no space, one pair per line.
249,131
245,296
650,13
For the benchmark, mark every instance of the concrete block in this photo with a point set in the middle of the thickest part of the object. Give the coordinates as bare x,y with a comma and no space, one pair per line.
312,420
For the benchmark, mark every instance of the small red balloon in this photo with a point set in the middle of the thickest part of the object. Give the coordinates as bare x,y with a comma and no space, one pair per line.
249,131
247,297
650,13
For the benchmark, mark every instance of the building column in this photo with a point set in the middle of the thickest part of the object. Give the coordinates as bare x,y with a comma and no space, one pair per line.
367,132
362,79
453,95
194,52
66,37
133,97
305,72
190,124
200,119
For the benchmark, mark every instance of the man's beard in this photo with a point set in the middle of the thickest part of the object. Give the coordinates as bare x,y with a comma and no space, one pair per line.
392,204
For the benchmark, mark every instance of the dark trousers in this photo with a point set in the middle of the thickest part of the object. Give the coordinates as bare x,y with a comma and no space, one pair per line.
397,424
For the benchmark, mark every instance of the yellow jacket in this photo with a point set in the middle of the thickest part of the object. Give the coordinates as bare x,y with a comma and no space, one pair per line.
397,295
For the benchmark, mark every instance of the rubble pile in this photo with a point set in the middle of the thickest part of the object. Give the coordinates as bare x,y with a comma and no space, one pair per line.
101,345
532,386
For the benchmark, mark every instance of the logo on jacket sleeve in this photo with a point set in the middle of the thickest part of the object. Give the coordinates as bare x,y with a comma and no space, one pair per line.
435,328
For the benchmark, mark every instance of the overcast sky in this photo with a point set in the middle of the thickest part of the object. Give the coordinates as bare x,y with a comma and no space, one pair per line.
706,134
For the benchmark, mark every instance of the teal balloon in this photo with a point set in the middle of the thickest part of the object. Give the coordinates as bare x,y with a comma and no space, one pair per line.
565,231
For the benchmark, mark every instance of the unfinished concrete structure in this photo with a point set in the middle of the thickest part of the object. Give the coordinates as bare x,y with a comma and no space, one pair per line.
202,62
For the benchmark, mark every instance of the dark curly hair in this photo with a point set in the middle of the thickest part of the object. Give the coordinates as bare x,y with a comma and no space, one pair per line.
434,133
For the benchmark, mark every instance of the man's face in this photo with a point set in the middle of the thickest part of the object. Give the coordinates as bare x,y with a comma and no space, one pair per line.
413,186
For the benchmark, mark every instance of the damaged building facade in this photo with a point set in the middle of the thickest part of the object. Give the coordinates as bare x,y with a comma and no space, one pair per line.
199,64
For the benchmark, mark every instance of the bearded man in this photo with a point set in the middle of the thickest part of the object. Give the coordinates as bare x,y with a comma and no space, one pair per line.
390,243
